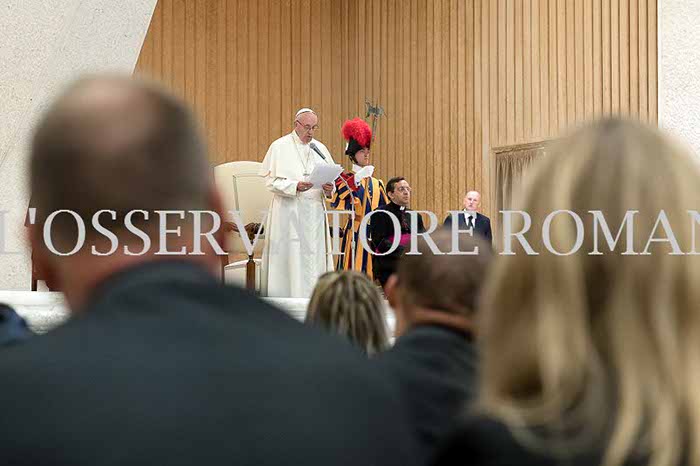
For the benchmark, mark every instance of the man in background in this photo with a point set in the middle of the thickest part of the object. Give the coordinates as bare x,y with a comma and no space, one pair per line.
471,218
161,364
382,229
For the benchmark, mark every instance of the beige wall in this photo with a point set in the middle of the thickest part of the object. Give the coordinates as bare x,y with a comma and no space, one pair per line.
679,67
45,45
456,77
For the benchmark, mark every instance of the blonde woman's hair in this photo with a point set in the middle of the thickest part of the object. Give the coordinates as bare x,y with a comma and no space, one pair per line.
349,304
603,347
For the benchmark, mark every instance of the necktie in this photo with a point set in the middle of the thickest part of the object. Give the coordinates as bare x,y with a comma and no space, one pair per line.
470,221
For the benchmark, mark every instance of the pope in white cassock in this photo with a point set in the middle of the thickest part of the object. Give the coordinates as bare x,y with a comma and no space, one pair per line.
297,239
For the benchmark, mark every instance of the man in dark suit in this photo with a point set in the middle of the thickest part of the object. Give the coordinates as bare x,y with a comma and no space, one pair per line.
13,328
434,298
471,218
382,229
161,364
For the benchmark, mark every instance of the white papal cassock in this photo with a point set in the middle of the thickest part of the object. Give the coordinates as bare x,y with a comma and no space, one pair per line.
296,232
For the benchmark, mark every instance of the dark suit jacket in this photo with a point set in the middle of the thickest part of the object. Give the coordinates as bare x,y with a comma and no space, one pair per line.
482,225
166,366
486,442
381,230
13,328
435,368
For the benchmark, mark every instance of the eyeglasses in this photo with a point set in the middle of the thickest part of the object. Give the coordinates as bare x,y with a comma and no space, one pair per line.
404,190
307,127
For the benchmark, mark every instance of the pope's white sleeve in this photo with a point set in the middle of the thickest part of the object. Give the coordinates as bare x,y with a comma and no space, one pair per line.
282,186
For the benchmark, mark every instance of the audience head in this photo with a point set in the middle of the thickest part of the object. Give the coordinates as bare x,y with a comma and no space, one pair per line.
439,288
607,342
472,201
349,304
112,142
399,191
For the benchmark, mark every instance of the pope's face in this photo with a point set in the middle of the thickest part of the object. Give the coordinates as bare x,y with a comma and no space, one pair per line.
305,126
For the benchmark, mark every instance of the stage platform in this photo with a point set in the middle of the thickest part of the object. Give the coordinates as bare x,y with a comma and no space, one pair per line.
45,310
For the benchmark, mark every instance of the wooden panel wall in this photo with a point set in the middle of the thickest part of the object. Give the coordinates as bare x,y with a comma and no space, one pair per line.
456,77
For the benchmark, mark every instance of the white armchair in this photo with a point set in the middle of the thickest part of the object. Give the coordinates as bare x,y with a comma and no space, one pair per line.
242,189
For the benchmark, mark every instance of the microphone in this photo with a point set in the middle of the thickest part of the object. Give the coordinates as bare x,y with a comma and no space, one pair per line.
317,150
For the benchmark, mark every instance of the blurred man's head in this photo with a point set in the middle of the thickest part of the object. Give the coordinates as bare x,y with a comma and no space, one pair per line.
399,191
114,143
434,288
472,201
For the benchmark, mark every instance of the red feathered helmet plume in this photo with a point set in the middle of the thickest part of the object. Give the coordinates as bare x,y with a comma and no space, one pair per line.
358,134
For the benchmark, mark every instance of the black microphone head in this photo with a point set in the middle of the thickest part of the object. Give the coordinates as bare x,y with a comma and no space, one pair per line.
315,148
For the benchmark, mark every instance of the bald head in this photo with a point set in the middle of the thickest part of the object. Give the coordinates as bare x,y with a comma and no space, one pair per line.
120,144
472,201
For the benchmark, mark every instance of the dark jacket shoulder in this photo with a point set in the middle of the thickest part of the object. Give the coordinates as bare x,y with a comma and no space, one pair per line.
483,441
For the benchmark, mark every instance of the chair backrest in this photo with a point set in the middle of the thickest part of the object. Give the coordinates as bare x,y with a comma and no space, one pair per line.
244,190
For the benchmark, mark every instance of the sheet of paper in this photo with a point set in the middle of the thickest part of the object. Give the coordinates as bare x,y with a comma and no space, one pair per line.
323,174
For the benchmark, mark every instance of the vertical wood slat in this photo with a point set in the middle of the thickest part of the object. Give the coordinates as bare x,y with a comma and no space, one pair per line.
456,78
493,49
526,15
634,57
482,182
462,102
166,34
518,100
430,77
606,46
467,177
503,110
510,72
422,181
571,78
536,81
209,96
562,63
412,89
579,73
391,88
479,94
545,70
615,55
597,60
587,72
221,68
200,61
554,74
643,65
652,78
624,45
447,96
